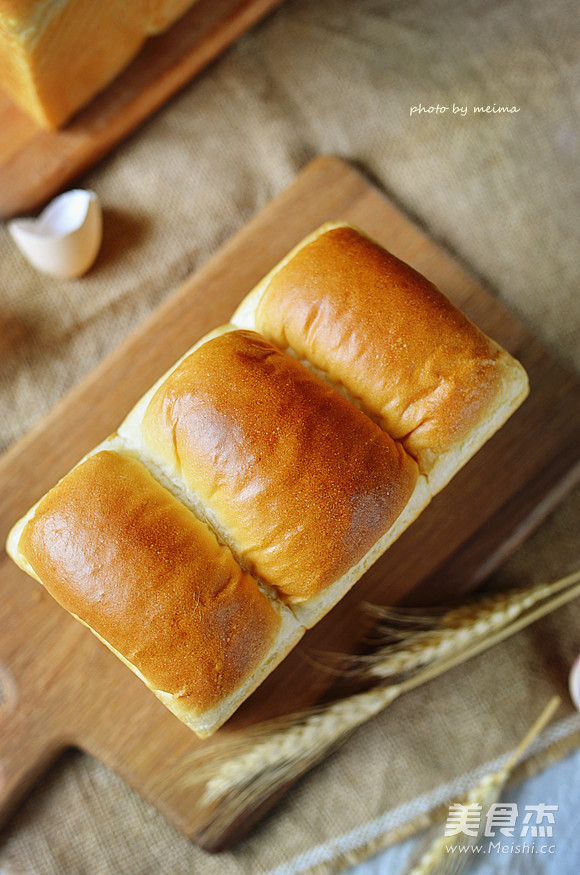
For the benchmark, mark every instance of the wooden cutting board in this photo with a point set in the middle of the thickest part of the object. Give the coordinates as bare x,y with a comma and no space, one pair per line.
64,688
36,164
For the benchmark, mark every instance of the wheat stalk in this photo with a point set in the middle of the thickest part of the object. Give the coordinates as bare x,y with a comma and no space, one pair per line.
437,859
449,631
243,771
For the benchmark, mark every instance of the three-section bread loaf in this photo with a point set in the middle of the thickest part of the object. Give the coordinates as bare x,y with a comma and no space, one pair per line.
260,477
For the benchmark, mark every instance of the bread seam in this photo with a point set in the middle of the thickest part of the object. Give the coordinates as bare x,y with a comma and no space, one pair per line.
462,452
311,611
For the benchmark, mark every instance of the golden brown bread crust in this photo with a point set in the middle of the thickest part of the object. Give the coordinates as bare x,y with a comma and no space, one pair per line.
302,482
419,366
54,57
121,553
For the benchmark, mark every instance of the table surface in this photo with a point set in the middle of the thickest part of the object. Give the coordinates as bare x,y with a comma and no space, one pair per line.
554,786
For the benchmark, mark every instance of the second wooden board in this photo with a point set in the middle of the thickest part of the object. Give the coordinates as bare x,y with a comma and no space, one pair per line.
35,164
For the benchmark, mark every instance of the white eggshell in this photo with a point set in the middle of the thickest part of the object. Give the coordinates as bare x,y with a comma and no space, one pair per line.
574,683
65,239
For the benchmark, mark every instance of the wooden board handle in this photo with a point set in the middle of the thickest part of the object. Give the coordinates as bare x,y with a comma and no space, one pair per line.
26,750
37,648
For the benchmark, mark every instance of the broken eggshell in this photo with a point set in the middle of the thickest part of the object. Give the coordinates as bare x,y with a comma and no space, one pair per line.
65,239
574,683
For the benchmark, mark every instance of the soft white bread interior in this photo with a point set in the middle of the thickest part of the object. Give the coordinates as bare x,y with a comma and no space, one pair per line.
56,56
425,373
122,554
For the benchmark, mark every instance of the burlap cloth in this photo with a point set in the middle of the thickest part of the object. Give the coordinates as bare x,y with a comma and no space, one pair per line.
500,191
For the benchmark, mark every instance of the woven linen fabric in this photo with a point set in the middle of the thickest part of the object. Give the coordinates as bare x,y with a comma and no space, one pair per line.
500,191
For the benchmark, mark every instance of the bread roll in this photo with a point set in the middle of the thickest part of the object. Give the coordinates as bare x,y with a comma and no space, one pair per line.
420,368
122,554
247,491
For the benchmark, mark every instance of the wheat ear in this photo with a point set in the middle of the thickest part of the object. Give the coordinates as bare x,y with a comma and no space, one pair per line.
240,773
449,632
437,859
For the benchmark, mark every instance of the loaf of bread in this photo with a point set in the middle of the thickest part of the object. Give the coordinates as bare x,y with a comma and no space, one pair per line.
260,477
55,57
